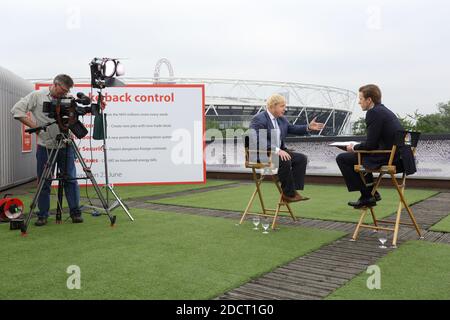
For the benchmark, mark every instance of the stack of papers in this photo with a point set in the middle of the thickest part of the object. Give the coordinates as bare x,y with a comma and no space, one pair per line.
343,144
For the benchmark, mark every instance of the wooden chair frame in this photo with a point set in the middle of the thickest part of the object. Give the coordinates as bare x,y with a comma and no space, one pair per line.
255,165
391,170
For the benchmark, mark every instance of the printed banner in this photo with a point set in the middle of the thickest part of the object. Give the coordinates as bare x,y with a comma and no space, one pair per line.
154,135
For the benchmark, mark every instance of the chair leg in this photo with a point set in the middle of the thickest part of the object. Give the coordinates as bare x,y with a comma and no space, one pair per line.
252,198
257,181
408,209
377,184
288,206
361,219
397,225
258,184
364,210
290,211
413,219
374,218
277,210
276,181
266,212
403,200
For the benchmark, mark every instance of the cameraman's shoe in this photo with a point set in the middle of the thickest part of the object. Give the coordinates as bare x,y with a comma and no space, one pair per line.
41,221
76,218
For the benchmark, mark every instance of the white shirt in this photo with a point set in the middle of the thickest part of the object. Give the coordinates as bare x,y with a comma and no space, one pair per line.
277,130
33,103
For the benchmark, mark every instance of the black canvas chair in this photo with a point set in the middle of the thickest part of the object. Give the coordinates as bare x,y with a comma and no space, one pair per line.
401,159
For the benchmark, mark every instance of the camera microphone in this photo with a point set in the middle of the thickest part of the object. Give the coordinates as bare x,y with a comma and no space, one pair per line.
83,99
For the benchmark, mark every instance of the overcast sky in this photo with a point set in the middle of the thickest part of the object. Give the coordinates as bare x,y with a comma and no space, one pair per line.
403,46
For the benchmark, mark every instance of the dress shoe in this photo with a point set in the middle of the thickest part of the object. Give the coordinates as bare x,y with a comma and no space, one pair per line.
41,221
377,196
295,198
303,197
76,218
363,202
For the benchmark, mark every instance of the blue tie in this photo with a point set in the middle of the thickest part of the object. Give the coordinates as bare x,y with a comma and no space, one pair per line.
277,130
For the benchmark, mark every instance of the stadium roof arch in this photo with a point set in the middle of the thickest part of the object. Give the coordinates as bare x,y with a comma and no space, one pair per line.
232,102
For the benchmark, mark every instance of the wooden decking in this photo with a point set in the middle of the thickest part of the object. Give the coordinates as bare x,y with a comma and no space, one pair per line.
316,275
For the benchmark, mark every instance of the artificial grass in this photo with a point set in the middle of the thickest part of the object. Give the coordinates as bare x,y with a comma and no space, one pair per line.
416,270
159,256
129,192
443,225
326,203
124,192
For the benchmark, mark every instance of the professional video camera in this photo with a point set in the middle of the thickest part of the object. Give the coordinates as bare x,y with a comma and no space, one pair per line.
66,111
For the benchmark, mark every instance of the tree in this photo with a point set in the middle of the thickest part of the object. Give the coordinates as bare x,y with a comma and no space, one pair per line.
435,122
409,121
438,122
406,123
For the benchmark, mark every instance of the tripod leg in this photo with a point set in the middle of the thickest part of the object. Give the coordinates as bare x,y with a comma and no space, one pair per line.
46,175
60,200
125,208
94,182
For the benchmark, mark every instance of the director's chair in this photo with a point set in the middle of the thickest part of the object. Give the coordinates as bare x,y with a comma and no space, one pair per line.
261,160
404,139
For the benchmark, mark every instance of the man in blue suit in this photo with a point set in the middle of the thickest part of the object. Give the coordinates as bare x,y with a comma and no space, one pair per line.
382,126
271,129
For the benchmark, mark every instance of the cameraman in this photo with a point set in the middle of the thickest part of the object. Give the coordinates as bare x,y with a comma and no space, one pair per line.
33,103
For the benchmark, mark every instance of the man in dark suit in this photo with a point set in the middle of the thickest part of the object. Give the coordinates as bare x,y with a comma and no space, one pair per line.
271,129
382,126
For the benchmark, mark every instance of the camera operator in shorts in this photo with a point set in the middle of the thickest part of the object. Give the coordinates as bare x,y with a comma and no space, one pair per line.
34,103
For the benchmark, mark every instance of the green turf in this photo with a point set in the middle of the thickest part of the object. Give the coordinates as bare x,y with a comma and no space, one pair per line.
327,202
443,225
416,270
159,256
128,192
124,192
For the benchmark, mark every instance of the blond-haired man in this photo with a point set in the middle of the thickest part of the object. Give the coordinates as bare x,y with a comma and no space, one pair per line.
292,165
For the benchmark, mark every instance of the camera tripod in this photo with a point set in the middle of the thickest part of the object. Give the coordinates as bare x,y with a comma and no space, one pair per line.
64,139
